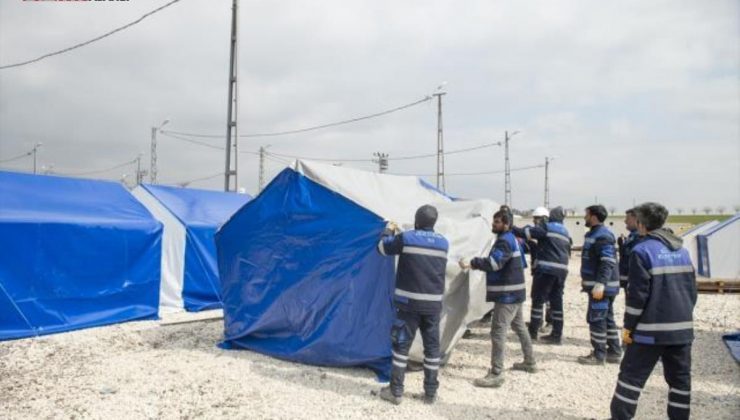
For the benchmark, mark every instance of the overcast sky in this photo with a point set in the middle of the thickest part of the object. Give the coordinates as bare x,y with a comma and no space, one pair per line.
635,100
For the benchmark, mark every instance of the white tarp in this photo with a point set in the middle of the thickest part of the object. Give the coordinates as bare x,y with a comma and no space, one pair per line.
466,225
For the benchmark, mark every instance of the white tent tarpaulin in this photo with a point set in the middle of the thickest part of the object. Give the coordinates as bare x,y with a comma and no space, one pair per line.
689,240
719,250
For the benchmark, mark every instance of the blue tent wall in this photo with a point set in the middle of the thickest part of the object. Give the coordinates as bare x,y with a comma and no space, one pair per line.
201,212
302,279
73,254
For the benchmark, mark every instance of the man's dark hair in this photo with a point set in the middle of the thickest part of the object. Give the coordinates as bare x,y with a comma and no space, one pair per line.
426,217
504,216
651,215
597,210
631,212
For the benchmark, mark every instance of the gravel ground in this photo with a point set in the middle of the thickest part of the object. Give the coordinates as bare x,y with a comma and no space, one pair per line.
144,370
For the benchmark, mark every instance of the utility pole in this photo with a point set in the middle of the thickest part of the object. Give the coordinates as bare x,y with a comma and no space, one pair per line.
153,156
440,141
231,171
35,149
547,181
382,161
262,168
140,173
507,168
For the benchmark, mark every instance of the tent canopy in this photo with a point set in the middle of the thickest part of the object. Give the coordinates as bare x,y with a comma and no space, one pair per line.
74,253
719,250
302,278
190,216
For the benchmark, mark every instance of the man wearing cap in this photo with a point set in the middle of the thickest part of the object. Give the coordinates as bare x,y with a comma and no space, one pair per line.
420,285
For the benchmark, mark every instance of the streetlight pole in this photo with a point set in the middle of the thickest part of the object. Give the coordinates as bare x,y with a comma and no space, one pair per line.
440,140
153,156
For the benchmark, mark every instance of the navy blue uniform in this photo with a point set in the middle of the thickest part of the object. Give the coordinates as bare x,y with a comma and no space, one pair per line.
625,248
504,269
420,285
549,272
599,265
660,301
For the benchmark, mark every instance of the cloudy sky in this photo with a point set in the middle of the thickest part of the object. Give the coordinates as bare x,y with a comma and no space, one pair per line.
635,100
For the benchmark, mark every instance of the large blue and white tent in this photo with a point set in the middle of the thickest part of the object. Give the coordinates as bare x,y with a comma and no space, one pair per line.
719,250
302,278
190,217
74,253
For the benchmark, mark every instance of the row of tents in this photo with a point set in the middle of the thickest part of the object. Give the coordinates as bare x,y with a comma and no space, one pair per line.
295,270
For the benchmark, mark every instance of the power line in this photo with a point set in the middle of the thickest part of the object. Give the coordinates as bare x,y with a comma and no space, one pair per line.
120,165
523,168
188,182
429,155
17,157
303,130
74,47
201,143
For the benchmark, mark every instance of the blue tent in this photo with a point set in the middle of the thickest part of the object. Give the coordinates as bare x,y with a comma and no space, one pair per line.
74,253
190,216
301,279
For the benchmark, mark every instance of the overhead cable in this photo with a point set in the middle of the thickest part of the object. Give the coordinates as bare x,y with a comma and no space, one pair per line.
80,45
17,157
303,130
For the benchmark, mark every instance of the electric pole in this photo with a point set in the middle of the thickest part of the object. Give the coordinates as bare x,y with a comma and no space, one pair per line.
440,142
547,182
507,168
231,171
35,149
153,155
140,173
382,161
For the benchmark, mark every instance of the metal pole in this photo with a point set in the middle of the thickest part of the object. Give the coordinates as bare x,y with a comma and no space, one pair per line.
34,160
440,144
262,169
138,169
507,170
547,183
231,169
153,158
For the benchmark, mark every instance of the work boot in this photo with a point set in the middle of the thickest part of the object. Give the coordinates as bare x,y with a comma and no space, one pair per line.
526,367
491,380
551,339
613,358
591,359
386,394
430,399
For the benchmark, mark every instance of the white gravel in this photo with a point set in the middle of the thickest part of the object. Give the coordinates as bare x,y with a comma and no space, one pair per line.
144,370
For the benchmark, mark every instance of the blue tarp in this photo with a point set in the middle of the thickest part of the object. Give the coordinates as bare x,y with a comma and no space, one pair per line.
302,279
73,254
201,212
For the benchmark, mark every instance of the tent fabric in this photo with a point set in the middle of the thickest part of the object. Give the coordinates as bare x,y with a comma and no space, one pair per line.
301,276
190,217
719,250
732,341
689,240
74,253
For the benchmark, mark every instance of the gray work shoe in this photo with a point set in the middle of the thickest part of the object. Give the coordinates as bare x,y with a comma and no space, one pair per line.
613,358
386,394
551,340
590,360
430,399
526,367
491,380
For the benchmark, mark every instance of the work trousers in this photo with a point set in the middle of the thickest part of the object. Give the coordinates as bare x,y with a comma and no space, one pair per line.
637,364
402,336
505,314
547,288
603,329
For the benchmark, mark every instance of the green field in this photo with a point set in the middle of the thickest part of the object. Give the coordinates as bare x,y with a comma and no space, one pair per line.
696,219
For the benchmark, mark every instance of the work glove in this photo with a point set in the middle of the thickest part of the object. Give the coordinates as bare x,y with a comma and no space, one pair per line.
598,291
464,263
626,336
391,228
